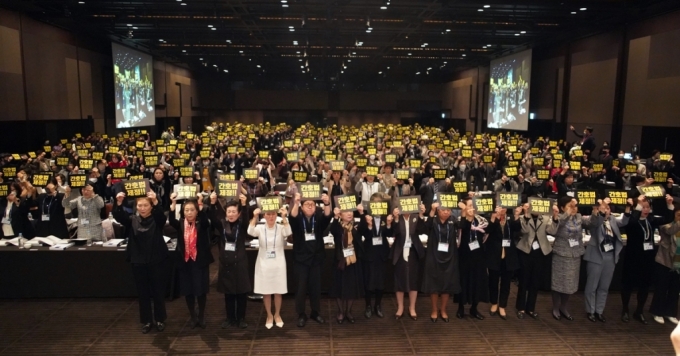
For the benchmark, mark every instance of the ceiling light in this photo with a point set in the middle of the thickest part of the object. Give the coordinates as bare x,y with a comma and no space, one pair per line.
210,25
228,41
183,3
284,5
409,53
214,65
368,31
129,25
481,10
430,68
303,67
179,0
284,1
200,59
417,73
464,55
295,43
349,60
573,12
82,2
379,72
448,30
517,34
388,67
214,28
383,8
445,62
292,29
483,46
342,71
298,52
259,66
134,28
300,60
523,32
583,9
487,6
226,71
160,39
240,52
184,50
488,45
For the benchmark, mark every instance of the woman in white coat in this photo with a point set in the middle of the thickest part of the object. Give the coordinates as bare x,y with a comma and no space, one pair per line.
270,266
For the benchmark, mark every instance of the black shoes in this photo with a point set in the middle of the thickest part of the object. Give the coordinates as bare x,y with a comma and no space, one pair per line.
460,314
534,315
556,317
624,317
317,318
378,311
566,316
414,317
591,317
368,313
475,314
493,313
160,325
641,318
146,328
302,320
446,320
349,318
600,317
434,320
397,316
520,315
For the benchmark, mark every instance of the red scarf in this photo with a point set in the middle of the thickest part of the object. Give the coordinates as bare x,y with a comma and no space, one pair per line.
189,241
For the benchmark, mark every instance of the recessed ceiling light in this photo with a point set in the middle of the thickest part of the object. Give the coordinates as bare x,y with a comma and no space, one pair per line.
134,28
379,72
298,52
445,62
448,30
388,67
200,59
464,55
226,71
483,46
160,39
81,2
487,6
291,29
342,71
228,41
383,8
488,45
303,67
409,53
481,10
517,34
240,52
129,25
184,50
183,4
300,60
523,32
573,12
417,73
284,1
368,31
295,43
259,66
583,9
210,25
284,5
214,65
349,60
214,28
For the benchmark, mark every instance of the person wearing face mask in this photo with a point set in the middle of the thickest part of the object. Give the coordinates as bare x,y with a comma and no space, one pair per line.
308,251
638,266
89,207
194,256
148,253
270,266
51,219
601,256
98,182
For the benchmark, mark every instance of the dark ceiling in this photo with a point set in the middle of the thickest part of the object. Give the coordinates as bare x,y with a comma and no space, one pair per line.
342,41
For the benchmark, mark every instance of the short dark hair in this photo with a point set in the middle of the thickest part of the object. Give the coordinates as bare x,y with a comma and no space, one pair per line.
589,129
563,201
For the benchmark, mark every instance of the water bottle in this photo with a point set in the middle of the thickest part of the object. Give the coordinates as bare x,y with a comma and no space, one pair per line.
20,242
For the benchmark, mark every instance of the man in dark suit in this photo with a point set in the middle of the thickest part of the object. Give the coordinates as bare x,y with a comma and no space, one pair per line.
587,139
308,249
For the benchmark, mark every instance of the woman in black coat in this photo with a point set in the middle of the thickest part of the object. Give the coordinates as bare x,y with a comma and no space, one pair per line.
348,282
233,276
193,255
405,255
501,258
14,211
148,253
51,220
376,249
473,275
442,275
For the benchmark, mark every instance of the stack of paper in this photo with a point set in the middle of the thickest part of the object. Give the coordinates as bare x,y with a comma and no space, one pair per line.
62,246
113,243
12,242
49,241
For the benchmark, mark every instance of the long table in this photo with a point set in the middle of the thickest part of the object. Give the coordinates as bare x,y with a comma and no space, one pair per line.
79,271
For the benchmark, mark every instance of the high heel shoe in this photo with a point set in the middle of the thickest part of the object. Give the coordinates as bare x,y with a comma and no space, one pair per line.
268,324
414,317
279,323
397,316
493,313
446,320
566,316
557,317
434,320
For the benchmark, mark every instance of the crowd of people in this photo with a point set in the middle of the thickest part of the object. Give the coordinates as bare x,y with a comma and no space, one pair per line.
462,251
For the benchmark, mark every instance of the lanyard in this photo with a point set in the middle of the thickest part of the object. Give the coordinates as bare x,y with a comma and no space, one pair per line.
304,223
266,241
235,233
572,226
646,230
509,231
473,235
448,229
46,207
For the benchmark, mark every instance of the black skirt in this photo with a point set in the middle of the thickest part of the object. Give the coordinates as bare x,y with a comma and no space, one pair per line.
406,273
193,280
374,275
474,279
348,283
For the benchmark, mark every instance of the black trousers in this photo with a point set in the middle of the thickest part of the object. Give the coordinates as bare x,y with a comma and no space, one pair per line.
529,279
236,306
151,283
309,282
627,287
504,277
666,289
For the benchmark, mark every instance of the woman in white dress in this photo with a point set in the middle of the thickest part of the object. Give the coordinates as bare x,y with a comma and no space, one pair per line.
270,266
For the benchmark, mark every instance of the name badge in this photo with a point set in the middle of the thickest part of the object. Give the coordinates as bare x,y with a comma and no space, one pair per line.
84,221
205,179
505,243
573,242
407,243
6,221
310,237
271,254
474,245
230,246
434,197
535,245
608,247
347,252
571,194
443,247
377,241
648,246
46,217
253,202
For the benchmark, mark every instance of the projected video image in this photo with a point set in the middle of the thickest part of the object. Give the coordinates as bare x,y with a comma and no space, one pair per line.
509,84
133,80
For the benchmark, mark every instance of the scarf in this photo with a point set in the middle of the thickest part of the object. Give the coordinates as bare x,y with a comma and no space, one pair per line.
189,241
347,240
